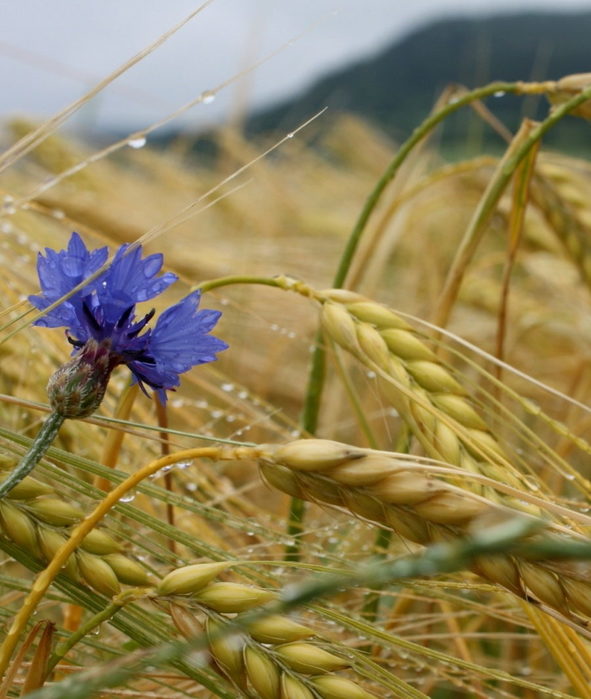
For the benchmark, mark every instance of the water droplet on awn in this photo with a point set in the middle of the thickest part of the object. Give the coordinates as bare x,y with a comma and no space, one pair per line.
136,142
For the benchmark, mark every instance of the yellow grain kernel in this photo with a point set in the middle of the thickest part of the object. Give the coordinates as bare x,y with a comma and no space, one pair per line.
406,345
127,570
262,673
367,471
29,488
447,443
433,377
459,409
55,511
372,345
366,506
99,542
450,508
227,651
19,527
407,525
98,574
333,687
499,569
190,579
342,296
376,314
228,597
405,488
340,326
50,542
310,659
186,622
315,454
578,595
278,629
544,584
294,689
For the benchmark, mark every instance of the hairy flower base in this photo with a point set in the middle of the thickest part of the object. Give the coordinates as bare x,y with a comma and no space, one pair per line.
78,387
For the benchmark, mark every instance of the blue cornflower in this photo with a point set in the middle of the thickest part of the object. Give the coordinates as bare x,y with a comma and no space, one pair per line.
100,322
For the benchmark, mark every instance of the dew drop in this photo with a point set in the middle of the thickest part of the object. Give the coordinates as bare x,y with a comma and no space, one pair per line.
136,142
6,227
128,497
58,213
291,134
569,476
215,414
228,387
371,374
191,487
499,93
243,395
208,97
183,465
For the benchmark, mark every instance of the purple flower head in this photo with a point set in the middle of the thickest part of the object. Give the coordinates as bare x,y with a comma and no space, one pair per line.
102,314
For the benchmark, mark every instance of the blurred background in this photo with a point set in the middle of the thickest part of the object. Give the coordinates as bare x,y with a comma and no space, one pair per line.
383,60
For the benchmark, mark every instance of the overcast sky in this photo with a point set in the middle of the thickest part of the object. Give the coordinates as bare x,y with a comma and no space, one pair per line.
52,51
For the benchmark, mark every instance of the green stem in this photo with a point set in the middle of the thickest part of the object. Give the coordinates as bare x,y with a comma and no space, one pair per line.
415,138
40,445
238,279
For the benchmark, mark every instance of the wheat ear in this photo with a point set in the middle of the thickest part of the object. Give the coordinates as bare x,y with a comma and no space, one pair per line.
37,520
399,493
274,656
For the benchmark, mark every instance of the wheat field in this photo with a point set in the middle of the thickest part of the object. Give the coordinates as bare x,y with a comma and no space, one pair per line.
381,489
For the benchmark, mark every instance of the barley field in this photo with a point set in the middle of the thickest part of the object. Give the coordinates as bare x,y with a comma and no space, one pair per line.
381,488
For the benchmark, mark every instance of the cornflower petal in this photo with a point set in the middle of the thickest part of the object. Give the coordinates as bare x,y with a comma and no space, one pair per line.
101,322
59,272
180,340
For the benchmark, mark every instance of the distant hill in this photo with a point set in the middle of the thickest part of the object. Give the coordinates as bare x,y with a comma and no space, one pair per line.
396,88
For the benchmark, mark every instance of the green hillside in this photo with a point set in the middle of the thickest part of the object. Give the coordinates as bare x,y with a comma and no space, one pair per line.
396,87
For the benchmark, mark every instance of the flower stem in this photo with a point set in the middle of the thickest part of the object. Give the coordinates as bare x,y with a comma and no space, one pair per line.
40,445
